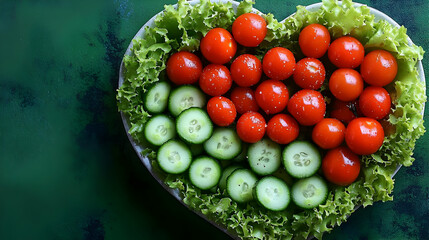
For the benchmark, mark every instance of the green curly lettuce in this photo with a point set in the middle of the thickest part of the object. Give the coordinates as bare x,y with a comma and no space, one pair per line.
182,28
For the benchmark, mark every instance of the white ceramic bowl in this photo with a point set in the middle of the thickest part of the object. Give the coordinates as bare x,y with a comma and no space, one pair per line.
139,148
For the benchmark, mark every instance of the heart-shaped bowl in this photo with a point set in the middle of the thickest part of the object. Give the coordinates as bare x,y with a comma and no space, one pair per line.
140,147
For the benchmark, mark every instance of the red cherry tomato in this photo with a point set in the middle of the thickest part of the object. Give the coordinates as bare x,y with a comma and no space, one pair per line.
342,111
184,68
341,166
307,107
309,73
314,40
251,127
218,46
278,63
272,96
346,84
215,80
374,102
364,136
379,68
328,133
244,100
221,110
282,129
246,70
249,29
346,52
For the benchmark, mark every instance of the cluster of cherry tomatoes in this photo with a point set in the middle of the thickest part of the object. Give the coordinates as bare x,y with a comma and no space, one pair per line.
248,94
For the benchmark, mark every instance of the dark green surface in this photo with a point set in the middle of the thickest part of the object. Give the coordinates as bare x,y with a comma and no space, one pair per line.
67,170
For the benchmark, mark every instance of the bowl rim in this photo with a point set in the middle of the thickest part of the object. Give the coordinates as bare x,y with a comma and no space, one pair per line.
138,148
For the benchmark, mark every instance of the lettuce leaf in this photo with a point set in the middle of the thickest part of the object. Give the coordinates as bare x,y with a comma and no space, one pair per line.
182,27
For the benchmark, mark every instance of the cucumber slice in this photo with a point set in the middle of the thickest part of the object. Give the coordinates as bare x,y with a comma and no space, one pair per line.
159,129
224,144
309,192
204,173
272,193
225,175
194,125
185,97
174,157
239,185
156,98
264,156
301,159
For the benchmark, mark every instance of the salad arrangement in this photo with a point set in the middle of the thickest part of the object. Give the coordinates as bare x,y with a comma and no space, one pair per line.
275,130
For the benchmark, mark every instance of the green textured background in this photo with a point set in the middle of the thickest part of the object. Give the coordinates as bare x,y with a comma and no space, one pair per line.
67,170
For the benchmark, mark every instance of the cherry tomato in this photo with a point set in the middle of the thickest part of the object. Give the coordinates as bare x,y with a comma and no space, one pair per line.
328,133
307,107
309,73
218,46
278,63
341,166
346,52
215,80
342,111
346,84
246,70
184,68
364,136
314,40
244,100
379,68
249,29
221,110
282,129
374,102
272,96
251,127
